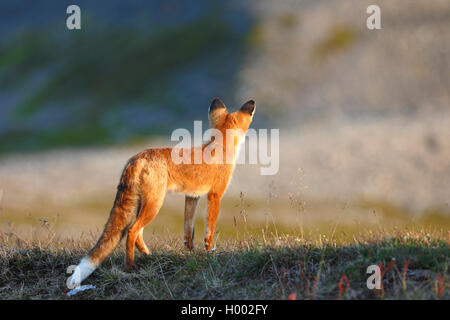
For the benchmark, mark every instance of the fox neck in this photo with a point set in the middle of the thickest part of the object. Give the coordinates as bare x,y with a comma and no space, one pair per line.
234,144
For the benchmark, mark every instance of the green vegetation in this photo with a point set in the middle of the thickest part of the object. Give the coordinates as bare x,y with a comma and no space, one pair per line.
338,39
81,83
255,36
288,20
100,66
239,218
271,267
254,259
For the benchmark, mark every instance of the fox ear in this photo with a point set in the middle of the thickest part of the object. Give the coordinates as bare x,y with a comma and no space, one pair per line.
248,107
216,112
216,104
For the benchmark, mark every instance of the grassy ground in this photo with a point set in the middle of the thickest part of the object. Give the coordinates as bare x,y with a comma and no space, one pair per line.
266,266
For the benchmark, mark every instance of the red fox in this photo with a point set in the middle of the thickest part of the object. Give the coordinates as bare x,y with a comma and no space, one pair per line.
149,175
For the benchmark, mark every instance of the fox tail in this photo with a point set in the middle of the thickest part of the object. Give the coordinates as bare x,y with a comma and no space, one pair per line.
125,206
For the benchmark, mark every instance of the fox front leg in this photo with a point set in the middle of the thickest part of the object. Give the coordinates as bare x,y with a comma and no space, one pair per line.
189,219
213,212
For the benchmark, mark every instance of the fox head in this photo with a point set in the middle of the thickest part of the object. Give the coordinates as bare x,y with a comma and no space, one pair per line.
220,119
232,126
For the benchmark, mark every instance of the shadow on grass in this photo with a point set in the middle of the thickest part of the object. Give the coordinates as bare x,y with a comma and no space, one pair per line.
414,266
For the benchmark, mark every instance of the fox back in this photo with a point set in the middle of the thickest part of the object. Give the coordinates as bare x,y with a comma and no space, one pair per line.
149,175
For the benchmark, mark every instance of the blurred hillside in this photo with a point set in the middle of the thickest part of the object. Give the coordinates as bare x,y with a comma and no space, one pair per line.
134,69
366,113
316,60
142,68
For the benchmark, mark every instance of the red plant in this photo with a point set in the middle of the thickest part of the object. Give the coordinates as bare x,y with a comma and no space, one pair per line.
405,269
302,275
305,280
389,266
283,276
440,288
383,272
341,287
292,296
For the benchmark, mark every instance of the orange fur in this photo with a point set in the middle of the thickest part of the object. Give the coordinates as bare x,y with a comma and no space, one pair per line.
149,175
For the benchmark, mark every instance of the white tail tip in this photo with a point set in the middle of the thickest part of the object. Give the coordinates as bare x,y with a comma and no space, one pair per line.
81,272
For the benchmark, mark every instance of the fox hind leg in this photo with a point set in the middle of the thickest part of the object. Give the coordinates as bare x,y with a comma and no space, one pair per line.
140,244
148,212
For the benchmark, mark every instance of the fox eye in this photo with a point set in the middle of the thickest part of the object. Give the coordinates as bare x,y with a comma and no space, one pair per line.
248,107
